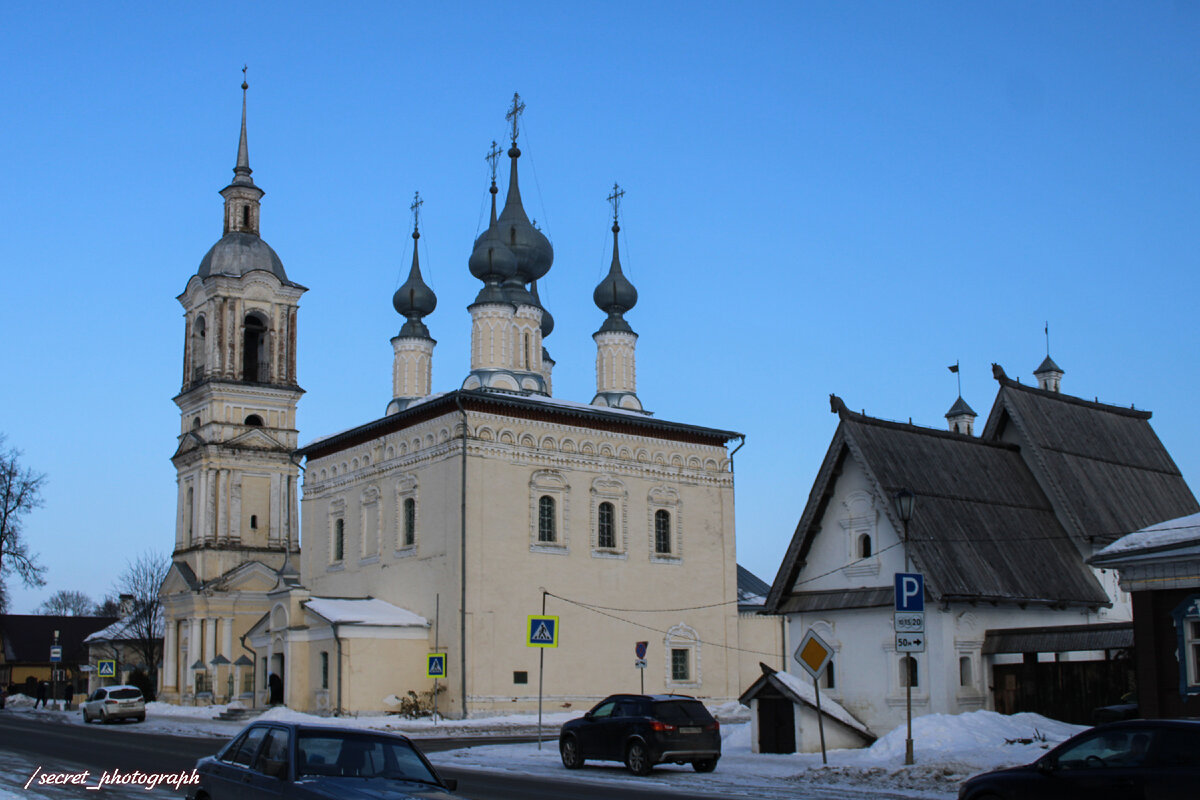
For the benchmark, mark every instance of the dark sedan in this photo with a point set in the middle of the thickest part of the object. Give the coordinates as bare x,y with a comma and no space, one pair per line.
285,761
643,730
1142,759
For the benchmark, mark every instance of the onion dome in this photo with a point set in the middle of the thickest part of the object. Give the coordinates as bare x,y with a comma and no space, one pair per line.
493,263
414,299
532,249
615,295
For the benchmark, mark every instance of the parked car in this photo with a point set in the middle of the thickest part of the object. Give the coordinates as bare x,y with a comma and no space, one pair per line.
113,703
1144,759
288,761
643,730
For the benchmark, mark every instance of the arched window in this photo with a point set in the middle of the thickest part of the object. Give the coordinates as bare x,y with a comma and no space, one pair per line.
864,546
254,361
245,218
196,424
908,672
410,521
190,511
830,679
964,671
339,539
525,337
662,531
255,420
199,349
605,533
547,531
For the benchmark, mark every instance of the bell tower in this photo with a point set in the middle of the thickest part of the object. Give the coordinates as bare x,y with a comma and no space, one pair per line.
237,481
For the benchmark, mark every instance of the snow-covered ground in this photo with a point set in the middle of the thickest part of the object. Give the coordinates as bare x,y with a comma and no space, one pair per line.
948,749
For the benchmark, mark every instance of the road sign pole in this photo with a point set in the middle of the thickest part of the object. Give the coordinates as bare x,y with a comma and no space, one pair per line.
437,613
541,675
820,718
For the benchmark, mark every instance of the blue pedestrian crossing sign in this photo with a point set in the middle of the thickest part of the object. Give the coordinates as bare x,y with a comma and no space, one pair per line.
541,632
435,665
106,668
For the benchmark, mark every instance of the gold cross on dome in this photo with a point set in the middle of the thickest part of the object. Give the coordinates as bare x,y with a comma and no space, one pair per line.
615,199
415,208
514,114
493,156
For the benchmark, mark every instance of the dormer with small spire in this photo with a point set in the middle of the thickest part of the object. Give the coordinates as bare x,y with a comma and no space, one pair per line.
616,342
961,417
1049,375
412,365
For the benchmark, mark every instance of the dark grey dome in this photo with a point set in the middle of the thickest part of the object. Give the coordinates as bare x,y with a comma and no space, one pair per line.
491,261
547,317
615,294
532,249
238,253
414,299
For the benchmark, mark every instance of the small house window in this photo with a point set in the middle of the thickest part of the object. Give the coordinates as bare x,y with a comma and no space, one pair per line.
605,534
324,670
1191,649
908,672
662,531
964,671
864,546
253,522
410,521
339,539
547,531
521,677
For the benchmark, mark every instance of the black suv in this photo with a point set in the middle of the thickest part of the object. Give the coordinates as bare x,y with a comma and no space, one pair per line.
643,730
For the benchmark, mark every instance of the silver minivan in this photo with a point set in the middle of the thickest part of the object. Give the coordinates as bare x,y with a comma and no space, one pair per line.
111,703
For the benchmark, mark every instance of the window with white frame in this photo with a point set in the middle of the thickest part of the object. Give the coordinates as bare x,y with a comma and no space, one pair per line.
608,517
407,509
966,676
549,508
682,648
1191,647
665,524
1187,630
337,533
858,520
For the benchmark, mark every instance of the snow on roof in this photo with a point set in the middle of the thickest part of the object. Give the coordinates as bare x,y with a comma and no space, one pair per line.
805,691
1182,530
363,611
124,629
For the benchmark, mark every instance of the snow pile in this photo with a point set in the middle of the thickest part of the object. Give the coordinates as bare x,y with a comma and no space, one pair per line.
972,735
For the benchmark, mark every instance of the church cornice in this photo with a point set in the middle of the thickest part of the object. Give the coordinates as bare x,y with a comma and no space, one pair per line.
519,407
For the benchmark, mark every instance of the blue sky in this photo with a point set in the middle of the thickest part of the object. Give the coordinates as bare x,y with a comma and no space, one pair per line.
821,197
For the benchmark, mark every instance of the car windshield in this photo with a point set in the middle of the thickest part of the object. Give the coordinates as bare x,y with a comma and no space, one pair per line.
355,755
682,712
126,694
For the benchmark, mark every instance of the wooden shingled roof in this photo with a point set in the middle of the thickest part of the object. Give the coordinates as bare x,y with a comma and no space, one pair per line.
982,530
1006,517
1102,466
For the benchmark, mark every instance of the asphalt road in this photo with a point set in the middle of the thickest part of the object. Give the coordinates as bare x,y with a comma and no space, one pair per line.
53,744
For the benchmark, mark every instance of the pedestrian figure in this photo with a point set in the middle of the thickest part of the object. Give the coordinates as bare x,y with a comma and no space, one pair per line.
41,695
275,687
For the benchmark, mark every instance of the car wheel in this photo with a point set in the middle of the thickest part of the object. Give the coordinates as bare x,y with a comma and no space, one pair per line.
141,717
104,719
637,759
86,719
568,748
705,765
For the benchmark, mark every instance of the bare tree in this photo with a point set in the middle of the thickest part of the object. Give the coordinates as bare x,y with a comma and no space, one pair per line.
68,603
143,632
20,493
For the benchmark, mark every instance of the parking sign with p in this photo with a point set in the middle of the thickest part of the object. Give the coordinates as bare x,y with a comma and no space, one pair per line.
910,591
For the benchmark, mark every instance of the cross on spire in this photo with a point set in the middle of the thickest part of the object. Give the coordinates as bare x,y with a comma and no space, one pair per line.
245,85
415,208
514,115
493,157
615,199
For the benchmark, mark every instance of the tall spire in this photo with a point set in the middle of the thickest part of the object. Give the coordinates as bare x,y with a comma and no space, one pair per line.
493,157
242,170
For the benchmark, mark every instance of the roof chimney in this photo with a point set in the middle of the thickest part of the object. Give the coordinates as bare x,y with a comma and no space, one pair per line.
126,606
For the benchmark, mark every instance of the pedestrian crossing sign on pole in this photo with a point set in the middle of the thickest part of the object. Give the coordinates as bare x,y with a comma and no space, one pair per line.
542,632
435,665
106,668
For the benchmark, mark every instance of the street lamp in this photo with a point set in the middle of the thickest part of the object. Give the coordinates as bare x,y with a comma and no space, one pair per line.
904,509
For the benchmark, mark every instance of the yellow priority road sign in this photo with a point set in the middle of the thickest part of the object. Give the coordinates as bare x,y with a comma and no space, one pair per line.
541,632
813,654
